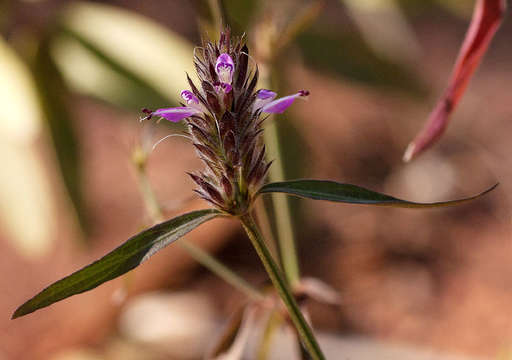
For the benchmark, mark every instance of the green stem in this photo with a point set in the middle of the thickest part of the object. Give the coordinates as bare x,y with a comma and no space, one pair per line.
220,270
150,201
263,221
198,254
284,225
305,332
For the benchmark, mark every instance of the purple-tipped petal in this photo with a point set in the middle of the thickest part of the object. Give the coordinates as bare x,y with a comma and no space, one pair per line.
263,97
177,113
192,100
280,105
264,94
189,97
225,68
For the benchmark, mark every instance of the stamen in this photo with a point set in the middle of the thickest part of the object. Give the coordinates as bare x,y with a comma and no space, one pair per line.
148,116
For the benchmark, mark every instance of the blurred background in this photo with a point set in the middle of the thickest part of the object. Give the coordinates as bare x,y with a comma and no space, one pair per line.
431,284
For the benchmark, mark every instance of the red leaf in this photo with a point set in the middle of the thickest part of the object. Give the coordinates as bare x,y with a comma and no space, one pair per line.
487,17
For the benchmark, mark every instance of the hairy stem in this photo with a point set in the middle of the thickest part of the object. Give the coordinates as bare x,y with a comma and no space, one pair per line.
281,285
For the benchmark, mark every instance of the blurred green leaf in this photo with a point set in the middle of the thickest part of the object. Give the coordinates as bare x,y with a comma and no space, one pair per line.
240,13
107,79
27,208
352,194
460,8
123,55
54,97
124,258
346,55
300,21
392,37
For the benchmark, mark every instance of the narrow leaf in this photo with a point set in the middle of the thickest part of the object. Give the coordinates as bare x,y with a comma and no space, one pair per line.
27,208
487,17
54,96
352,194
129,255
129,44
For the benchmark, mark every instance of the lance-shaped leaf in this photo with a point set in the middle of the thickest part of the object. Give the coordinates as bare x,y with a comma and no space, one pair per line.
487,16
129,255
352,194
54,96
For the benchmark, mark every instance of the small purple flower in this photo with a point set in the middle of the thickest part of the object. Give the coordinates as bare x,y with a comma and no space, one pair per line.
189,97
192,101
177,113
224,123
225,68
265,103
263,97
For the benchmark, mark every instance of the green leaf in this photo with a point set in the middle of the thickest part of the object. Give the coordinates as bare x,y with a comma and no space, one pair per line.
362,65
352,194
54,98
27,208
123,53
129,255
240,14
109,80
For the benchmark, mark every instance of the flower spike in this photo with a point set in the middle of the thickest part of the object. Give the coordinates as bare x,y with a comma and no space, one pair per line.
224,120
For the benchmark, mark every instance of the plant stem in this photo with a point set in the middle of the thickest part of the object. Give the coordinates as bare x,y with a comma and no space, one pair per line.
220,270
198,254
282,288
263,221
284,226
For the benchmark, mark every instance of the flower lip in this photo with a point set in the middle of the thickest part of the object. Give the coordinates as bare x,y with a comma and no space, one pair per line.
225,68
189,97
264,94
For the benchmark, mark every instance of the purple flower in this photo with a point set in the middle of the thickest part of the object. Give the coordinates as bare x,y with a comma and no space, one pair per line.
225,68
177,113
223,117
266,105
263,97
264,102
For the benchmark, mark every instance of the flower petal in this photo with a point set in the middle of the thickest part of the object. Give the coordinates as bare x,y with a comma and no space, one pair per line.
263,97
177,113
189,97
487,16
225,68
264,94
280,105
